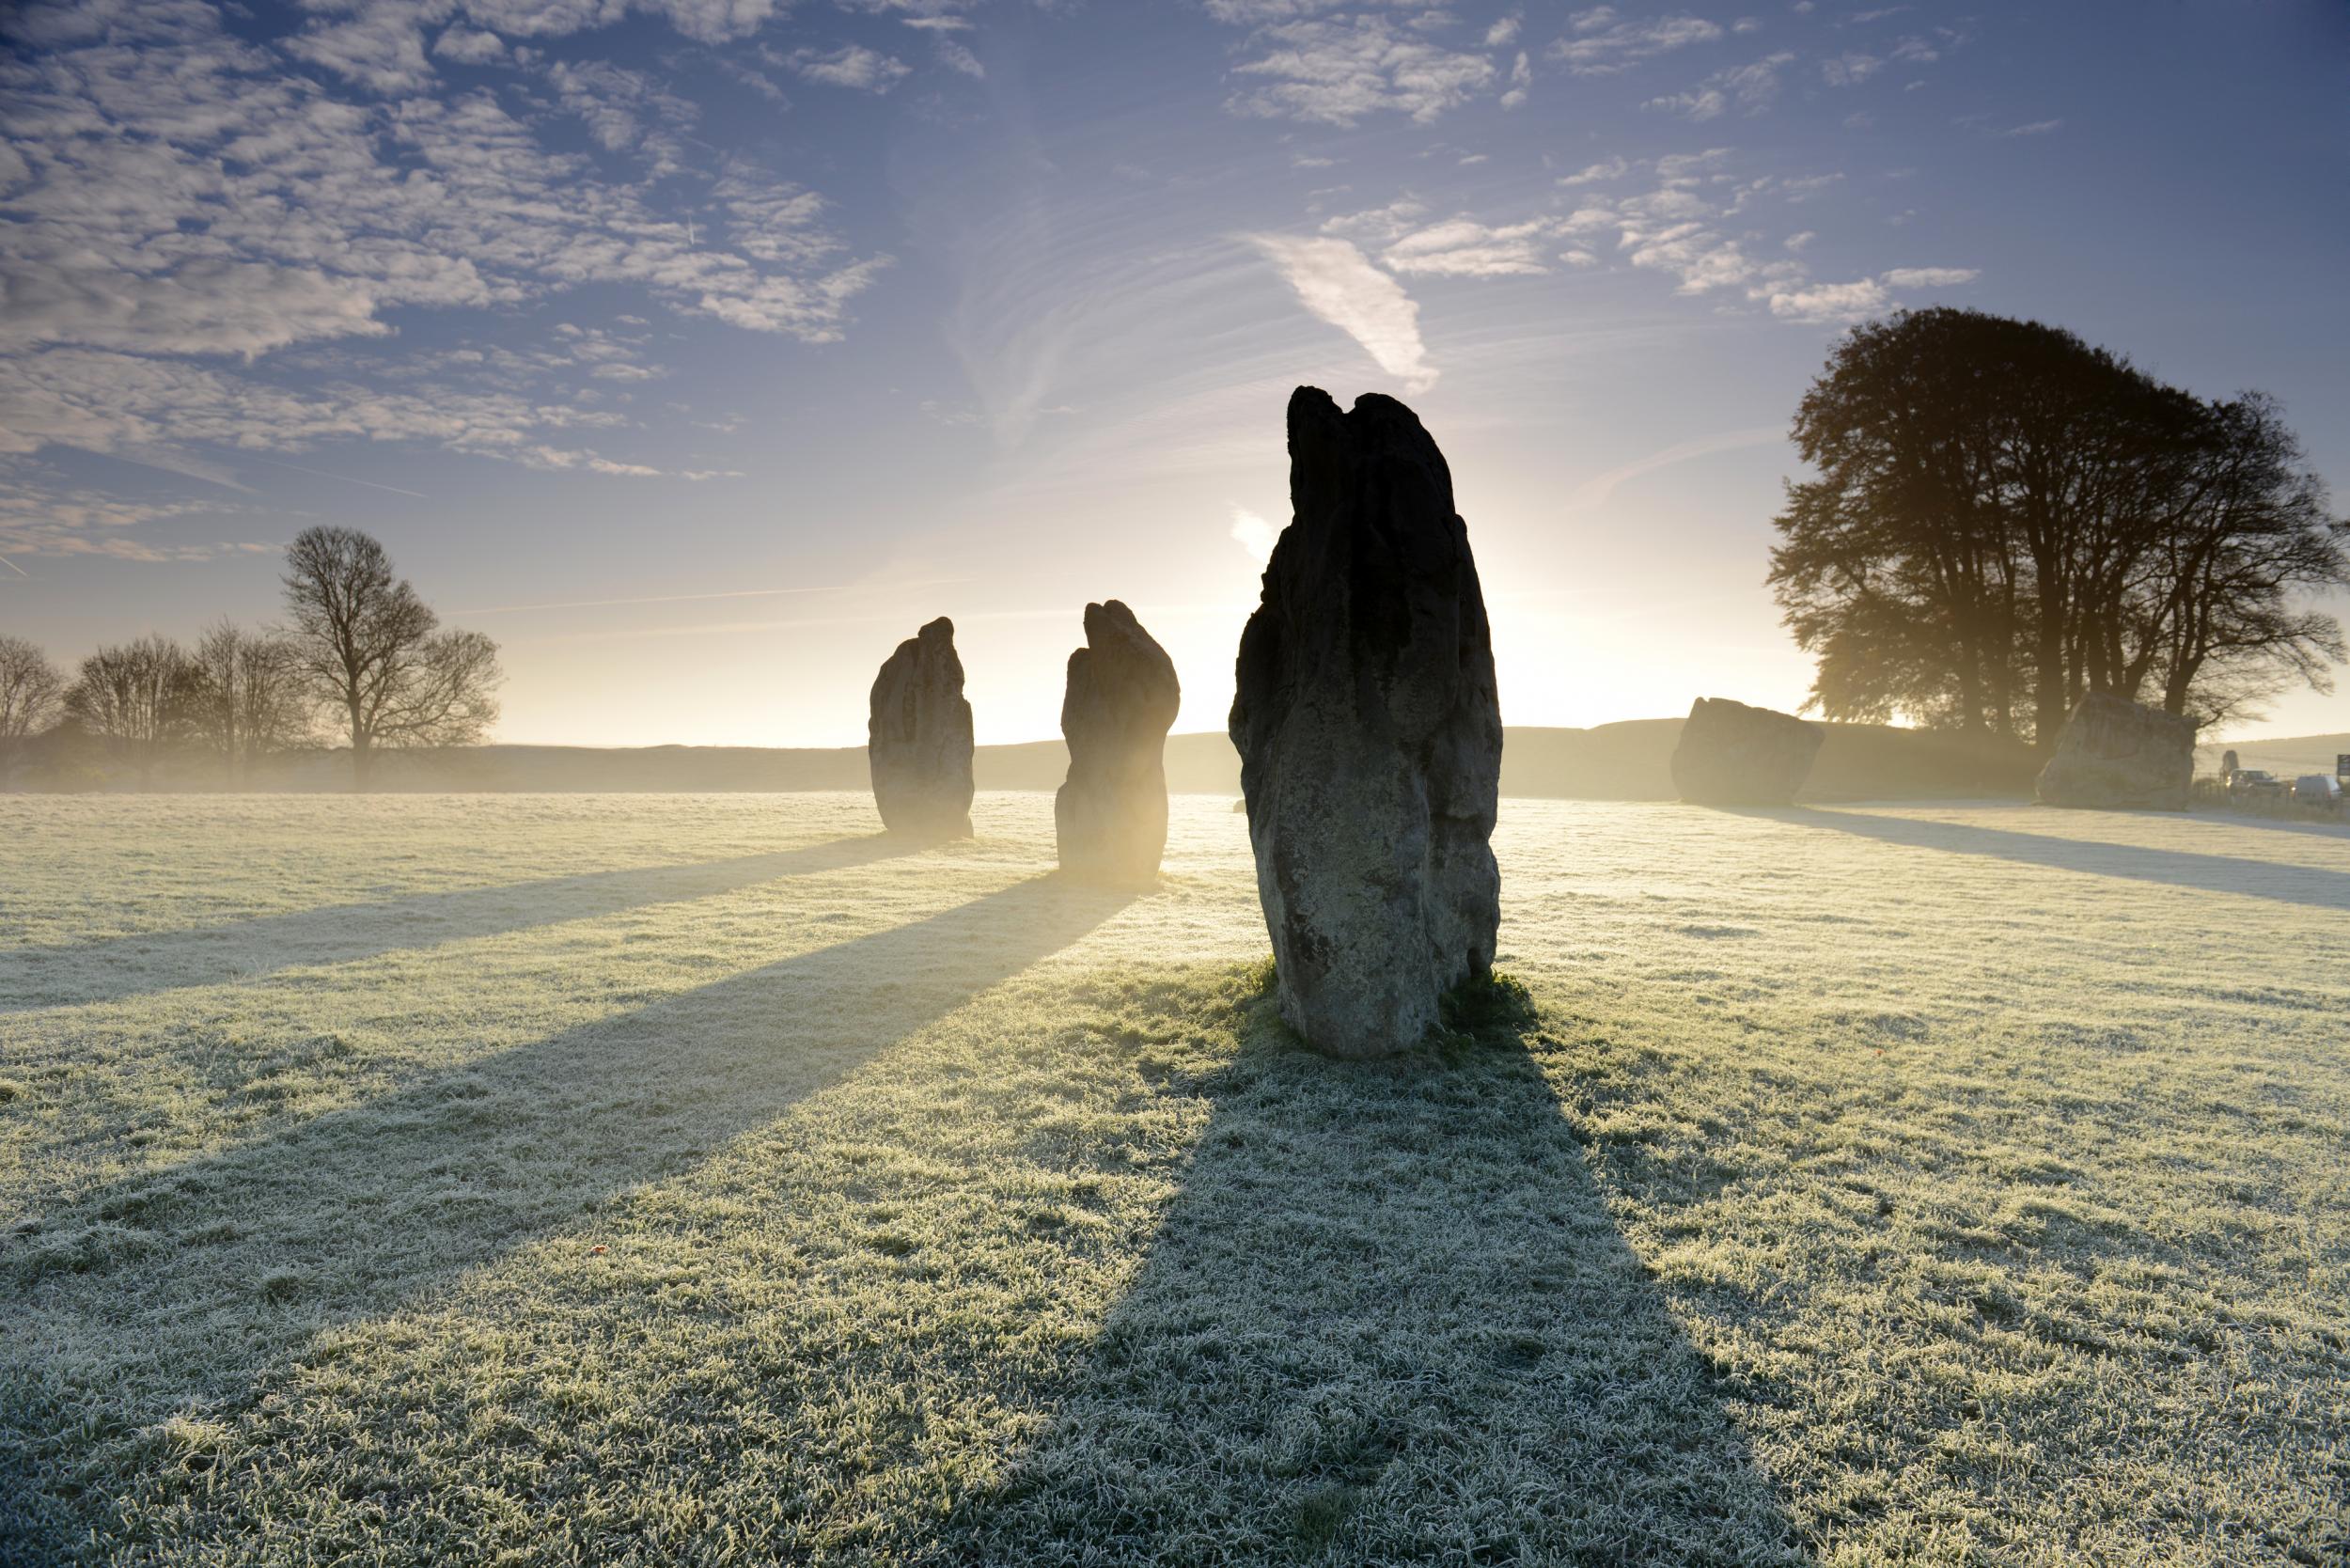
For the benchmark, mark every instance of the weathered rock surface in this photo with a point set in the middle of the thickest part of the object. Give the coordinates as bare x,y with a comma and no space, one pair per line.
1734,755
1369,735
918,738
1110,816
2119,754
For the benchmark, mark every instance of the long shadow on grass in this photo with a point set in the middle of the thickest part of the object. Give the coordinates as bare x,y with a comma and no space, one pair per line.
119,966
1388,1320
180,1286
2210,874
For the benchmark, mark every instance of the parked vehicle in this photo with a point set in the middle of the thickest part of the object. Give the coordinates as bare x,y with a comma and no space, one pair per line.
2315,788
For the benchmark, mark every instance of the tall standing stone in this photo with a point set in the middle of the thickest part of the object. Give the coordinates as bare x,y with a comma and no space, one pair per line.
1111,815
2116,755
1733,755
1369,735
918,738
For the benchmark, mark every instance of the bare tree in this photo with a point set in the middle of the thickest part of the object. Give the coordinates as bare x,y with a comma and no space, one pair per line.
370,648
248,698
30,689
134,697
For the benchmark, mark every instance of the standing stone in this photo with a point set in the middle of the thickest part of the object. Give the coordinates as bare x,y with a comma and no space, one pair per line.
918,738
2116,755
1369,735
1111,815
1734,755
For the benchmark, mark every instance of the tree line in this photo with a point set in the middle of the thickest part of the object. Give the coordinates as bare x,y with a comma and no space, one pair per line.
2006,518
360,658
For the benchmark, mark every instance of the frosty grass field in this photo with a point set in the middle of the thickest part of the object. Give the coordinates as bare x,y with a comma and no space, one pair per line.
667,1179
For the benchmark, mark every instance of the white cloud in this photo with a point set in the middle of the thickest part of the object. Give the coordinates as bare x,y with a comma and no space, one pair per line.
1521,80
1378,226
1254,535
379,44
1462,247
2037,128
1257,13
1600,42
38,518
1682,168
1503,33
1751,87
1797,242
1930,277
1337,72
1850,69
851,65
187,194
1337,284
380,49
467,46
1593,174
625,110
956,57
1824,304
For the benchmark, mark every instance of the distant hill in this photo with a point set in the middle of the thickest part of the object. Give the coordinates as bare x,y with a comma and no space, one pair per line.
1612,761
2289,757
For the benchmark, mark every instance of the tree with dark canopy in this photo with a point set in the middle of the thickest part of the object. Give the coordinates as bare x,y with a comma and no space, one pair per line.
375,652
2006,517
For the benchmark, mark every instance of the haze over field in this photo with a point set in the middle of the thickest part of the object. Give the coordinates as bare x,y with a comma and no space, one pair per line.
699,355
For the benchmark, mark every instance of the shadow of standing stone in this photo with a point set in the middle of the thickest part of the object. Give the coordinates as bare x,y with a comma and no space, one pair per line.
918,738
1110,817
1369,735
1734,755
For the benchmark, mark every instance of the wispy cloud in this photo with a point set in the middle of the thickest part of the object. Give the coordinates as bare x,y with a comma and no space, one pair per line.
1463,247
251,209
1752,88
1929,277
1339,70
1595,490
1338,283
1599,173
1820,303
851,65
2037,128
1599,41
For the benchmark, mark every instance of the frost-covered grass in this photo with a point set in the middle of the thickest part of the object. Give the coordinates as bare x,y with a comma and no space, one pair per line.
706,1180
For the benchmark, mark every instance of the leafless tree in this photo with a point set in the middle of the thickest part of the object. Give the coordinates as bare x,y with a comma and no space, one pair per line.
372,650
248,698
30,689
134,697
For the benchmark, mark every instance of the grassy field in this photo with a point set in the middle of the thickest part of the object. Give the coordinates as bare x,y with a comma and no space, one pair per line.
703,1180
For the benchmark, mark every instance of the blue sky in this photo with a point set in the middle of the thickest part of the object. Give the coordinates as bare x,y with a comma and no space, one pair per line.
700,351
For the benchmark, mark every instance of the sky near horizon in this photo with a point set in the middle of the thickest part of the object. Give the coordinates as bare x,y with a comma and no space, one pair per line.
699,350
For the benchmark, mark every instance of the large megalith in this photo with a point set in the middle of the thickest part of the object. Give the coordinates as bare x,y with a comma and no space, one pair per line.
1369,735
2119,754
1734,755
1110,816
918,738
